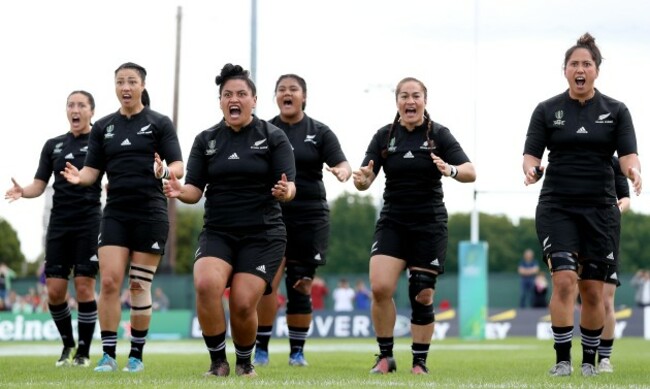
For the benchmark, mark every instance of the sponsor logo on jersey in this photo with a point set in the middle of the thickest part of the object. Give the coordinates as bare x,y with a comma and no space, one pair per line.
125,142
558,118
408,154
425,145
109,132
69,156
310,139
58,148
212,147
258,145
261,269
234,156
605,118
582,130
144,130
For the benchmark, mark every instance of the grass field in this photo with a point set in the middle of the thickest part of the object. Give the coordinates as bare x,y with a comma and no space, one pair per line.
512,363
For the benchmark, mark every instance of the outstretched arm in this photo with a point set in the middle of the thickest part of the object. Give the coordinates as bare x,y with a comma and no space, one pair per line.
35,189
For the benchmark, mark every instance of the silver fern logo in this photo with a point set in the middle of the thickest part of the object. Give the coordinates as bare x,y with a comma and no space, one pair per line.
558,118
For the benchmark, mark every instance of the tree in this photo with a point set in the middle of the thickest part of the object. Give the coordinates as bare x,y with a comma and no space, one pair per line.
10,252
189,222
352,219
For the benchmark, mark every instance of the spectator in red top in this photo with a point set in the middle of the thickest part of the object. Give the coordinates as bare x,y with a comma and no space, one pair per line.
318,293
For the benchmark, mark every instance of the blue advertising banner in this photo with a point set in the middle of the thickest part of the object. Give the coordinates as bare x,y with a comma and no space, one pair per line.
472,289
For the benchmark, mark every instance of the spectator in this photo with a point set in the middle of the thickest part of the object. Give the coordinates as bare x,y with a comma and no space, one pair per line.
6,274
343,296
539,291
641,281
361,296
160,300
319,291
527,270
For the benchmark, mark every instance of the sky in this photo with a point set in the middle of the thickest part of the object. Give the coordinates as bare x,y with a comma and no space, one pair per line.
486,65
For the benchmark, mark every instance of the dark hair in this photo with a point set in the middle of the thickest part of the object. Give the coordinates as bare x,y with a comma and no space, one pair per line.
586,41
91,99
144,98
234,72
427,118
301,82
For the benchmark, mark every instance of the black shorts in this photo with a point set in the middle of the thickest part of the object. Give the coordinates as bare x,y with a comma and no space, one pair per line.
144,236
70,250
420,244
307,242
593,232
258,252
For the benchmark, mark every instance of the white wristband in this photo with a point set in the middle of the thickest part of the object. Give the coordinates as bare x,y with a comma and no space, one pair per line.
454,171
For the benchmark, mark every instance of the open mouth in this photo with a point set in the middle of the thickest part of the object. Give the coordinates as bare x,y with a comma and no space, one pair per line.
234,111
580,81
410,111
76,119
287,102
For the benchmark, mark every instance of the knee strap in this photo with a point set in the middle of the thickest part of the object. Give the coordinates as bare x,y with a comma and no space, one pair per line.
140,278
297,302
418,281
562,260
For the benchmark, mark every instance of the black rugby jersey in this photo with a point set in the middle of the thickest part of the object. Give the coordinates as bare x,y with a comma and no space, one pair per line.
71,204
313,144
237,171
124,148
581,140
413,182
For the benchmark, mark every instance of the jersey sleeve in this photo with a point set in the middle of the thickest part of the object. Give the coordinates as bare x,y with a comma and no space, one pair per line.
282,158
197,171
332,152
451,151
95,157
45,165
373,152
536,136
626,139
168,146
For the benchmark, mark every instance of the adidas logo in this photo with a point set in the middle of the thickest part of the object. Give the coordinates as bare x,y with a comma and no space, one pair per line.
581,130
234,156
94,258
435,262
155,246
614,276
408,155
604,116
261,269
69,156
126,142
611,256
317,257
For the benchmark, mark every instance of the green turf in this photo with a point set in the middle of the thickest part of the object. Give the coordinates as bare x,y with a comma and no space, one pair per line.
516,362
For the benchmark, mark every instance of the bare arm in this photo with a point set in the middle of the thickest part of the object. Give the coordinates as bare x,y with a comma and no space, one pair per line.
342,171
364,177
530,171
631,167
35,189
187,193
